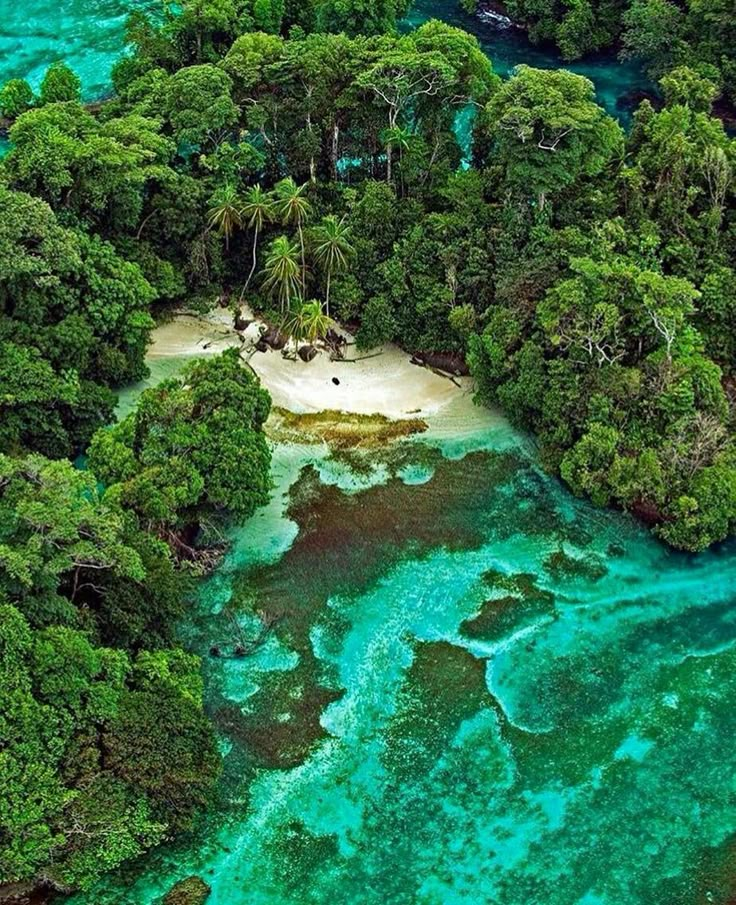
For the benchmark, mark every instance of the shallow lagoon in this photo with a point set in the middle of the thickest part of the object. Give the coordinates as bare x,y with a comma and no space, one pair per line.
479,690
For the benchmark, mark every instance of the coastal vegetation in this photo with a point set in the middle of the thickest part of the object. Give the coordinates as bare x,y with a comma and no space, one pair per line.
304,158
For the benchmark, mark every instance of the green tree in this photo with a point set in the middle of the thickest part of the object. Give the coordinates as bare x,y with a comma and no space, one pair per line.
332,249
16,96
652,30
378,324
206,21
295,209
283,276
307,321
193,448
356,17
199,105
257,211
685,86
550,132
72,807
60,84
395,137
226,212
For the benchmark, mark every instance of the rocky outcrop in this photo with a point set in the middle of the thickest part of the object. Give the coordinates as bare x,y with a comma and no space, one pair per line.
274,338
449,362
307,353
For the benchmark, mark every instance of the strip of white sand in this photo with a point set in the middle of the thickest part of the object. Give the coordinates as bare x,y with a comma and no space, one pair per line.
385,383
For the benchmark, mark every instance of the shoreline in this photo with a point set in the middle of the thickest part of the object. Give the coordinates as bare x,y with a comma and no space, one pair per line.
383,383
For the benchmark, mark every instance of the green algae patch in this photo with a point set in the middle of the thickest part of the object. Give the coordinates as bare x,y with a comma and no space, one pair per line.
341,430
523,604
561,564
297,856
192,891
713,879
444,686
281,724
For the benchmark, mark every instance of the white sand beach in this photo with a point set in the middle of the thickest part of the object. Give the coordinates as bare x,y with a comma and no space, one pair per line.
383,381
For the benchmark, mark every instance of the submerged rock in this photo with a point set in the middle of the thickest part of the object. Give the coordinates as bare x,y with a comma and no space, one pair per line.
192,891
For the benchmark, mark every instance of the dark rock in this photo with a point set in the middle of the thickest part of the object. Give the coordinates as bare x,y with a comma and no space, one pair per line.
192,891
214,651
274,338
335,339
242,323
262,345
25,894
336,381
449,362
239,651
647,511
307,353
224,300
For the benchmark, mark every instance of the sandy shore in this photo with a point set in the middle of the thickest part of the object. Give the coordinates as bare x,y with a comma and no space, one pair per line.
385,383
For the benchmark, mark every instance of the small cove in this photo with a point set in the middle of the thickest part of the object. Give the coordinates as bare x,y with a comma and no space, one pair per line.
477,689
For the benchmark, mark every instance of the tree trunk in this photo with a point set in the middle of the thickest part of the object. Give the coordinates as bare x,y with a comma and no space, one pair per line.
304,260
329,281
312,164
335,149
389,160
255,259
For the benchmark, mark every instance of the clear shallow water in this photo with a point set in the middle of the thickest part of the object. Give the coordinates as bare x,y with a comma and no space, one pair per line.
478,690
88,35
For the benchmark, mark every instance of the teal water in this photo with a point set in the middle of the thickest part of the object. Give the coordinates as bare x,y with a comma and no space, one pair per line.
614,81
477,690
88,35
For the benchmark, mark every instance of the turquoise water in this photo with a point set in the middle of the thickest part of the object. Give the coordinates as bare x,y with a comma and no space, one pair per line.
88,35
477,690
509,47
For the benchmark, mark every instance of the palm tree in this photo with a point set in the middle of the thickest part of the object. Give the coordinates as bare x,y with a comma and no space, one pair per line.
332,249
295,210
226,212
308,322
281,271
257,210
394,137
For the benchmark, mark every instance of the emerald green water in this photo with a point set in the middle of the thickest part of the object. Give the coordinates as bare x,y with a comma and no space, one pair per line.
88,35
479,691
